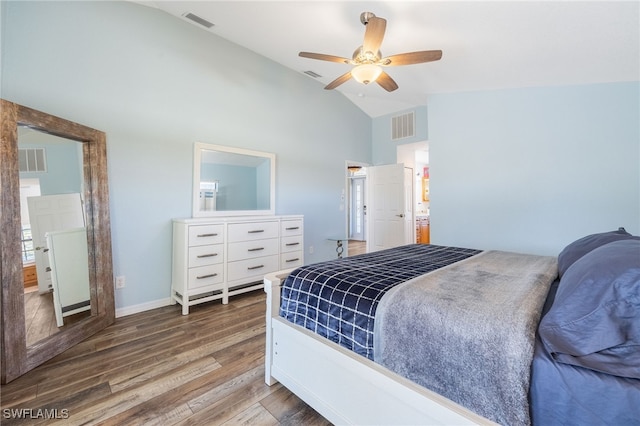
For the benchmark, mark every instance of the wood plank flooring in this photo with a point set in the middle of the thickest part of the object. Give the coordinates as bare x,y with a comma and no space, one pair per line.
357,247
162,368
40,318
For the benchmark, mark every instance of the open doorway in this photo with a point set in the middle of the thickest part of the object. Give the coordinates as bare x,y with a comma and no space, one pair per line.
379,207
356,183
416,156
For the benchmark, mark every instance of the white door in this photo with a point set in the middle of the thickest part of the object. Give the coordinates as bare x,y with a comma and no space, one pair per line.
51,213
389,206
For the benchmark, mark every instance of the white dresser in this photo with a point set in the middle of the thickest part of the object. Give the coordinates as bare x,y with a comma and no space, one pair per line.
214,258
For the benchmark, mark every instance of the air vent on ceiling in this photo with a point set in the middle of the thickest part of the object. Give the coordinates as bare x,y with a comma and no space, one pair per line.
403,126
312,74
198,20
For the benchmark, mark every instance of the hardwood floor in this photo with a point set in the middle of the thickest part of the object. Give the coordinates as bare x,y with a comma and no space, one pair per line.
40,318
162,368
357,247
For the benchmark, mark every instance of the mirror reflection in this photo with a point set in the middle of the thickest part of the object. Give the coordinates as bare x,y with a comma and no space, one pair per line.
233,181
53,233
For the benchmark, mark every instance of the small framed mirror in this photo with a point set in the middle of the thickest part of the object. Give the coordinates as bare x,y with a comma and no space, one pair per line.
232,181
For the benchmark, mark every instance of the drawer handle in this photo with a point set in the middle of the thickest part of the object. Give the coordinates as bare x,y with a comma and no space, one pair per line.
201,277
207,235
293,228
292,260
207,255
257,231
256,249
255,267
291,244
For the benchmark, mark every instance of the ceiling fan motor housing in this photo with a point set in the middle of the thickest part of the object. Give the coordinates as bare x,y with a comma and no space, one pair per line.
365,16
362,57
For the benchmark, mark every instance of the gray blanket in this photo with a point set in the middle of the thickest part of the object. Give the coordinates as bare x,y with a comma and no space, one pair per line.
467,331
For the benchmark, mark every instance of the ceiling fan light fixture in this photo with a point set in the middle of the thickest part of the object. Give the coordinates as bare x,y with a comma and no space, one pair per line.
366,73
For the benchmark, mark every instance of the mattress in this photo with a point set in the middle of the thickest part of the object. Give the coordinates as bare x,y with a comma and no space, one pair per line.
338,299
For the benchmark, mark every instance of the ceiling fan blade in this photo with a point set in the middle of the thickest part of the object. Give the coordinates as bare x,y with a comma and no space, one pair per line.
412,58
373,34
338,81
323,57
386,82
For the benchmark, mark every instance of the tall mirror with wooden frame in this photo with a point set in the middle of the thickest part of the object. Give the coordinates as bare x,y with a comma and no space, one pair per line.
92,265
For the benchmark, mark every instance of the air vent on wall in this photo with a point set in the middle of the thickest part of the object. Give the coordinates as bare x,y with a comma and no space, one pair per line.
198,20
403,126
32,160
311,74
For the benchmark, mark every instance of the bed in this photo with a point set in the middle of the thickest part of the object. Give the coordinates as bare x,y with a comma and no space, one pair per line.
425,334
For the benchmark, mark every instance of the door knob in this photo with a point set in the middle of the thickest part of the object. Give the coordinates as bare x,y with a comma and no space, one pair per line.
400,215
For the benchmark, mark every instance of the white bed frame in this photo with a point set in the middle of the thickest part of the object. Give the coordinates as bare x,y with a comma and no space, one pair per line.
344,387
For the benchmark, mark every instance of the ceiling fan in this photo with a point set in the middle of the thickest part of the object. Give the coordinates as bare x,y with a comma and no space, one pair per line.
368,60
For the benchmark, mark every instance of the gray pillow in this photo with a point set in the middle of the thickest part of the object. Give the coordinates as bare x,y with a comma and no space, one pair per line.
595,319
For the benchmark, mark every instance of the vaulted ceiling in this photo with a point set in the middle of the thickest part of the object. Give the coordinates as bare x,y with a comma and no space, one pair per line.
486,45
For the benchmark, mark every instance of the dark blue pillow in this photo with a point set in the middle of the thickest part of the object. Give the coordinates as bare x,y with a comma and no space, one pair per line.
595,319
584,245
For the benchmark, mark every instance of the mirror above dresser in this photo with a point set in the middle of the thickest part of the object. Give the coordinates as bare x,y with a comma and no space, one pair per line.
234,238
232,181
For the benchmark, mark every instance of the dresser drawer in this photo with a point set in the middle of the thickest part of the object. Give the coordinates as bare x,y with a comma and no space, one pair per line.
293,243
291,259
206,276
291,227
200,235
252,267
252,231
206,255
252,249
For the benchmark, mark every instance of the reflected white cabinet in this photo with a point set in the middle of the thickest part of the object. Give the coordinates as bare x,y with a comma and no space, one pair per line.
69,267
214,258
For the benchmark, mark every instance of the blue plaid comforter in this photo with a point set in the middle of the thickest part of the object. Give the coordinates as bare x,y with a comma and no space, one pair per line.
338,299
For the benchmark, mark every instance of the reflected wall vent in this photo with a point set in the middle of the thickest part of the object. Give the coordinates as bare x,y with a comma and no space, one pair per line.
403,126
198,20
32,160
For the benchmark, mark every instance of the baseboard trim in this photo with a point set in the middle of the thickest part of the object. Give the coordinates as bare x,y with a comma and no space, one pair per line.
136,309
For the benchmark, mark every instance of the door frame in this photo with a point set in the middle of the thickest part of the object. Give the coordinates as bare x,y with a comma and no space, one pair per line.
346,199
352,206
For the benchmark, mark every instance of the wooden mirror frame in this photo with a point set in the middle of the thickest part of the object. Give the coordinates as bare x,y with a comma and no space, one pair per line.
17,358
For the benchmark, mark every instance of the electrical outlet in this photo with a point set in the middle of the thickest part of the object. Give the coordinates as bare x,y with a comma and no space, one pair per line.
310,249
120,281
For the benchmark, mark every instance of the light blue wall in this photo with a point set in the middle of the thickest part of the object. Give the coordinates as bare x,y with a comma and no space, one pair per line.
384,148
156,85
533,169
237,186
64,165
263,184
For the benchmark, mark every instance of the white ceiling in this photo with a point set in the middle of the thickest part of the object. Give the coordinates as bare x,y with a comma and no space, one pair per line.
486,45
